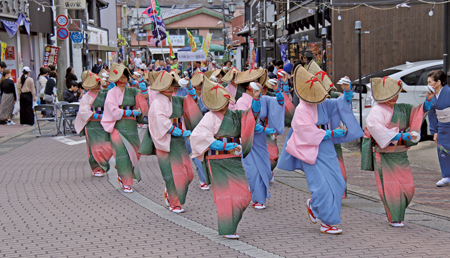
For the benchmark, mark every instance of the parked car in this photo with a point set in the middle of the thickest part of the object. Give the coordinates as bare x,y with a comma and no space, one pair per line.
414,76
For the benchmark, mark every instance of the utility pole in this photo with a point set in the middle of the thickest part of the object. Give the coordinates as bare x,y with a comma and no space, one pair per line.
263,35
62,63
224,30
86,36
446,41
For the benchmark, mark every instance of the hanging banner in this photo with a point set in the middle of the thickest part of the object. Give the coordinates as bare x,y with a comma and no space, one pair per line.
187,56
50,56
283,50
11,28
191,41
207,43
3,50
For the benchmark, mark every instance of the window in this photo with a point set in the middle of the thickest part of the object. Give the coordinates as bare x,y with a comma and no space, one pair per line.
413,78
424,78
194,32
217,34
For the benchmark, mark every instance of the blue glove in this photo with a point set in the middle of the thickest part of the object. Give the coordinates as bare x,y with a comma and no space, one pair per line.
334,133
221,146
127,113
38,101
133,82
259,129
175,131
280,97
97,116
427,104
111,85
256,106
136,113
143,87
348,95
286,88
406,137
192,91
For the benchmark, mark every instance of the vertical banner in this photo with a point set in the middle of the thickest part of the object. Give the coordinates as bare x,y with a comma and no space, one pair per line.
10,61
207,42
256,59
251,53
191,42
283,50
172,55
50,56
3,50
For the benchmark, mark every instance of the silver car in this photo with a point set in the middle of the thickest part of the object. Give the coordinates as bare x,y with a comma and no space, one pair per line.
414,77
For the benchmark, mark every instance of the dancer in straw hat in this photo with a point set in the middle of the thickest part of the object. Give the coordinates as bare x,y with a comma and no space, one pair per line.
88,120
309,147
231,87
168,116
216,140
257,163
391,129
197,83
123,107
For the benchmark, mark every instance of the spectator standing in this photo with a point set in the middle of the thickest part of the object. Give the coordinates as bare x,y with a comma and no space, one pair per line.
8,96
2,68
270,69
70,76
148,62
41,82
49,92
137,60
27,95
97,67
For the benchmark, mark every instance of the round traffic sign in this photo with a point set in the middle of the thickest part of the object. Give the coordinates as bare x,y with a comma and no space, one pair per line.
62,33
62,20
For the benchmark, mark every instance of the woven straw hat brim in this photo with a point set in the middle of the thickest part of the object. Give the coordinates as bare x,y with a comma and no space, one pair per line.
145,75
385,89
264,78
102,72
216,72
208,73
312,94
116,72
152,76
213,96
251,75
163,81
314,69
229,75
197,79
268,85
92,80
176,79
85,74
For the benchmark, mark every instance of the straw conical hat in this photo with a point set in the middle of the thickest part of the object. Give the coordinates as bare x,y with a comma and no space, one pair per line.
208,73
323,77
251,75
116,72
385,89
197,79
214,96
267,84
307,87
152,76
229,75
217,71
164,81
145,75
91,81
84,75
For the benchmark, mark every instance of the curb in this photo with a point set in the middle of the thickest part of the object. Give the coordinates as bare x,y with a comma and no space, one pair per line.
14,135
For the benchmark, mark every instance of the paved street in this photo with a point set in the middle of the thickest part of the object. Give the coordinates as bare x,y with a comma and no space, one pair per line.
51,206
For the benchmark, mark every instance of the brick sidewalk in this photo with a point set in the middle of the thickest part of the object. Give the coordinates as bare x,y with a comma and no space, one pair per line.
51,206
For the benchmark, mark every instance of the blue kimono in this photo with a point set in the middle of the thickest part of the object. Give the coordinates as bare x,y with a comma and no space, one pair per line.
441,128
324,177
257,163
198,164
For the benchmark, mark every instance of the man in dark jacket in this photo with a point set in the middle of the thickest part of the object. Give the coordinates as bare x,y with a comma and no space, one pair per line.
97,67
72,94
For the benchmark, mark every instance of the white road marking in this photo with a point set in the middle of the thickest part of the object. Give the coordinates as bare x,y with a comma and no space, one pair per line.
68,141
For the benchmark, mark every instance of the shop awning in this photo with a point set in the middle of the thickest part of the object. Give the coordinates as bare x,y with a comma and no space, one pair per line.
158,50
95,47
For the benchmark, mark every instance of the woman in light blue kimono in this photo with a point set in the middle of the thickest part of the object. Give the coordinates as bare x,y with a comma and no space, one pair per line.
271,120
439,118
310,143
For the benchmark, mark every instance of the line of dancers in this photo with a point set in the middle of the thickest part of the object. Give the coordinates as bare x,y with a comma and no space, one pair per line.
227,121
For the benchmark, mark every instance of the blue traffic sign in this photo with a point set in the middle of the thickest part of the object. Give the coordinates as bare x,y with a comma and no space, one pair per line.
62,33
77,37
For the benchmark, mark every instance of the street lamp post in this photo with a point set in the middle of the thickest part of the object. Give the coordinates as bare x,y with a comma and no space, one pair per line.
304,42
324,46
358,31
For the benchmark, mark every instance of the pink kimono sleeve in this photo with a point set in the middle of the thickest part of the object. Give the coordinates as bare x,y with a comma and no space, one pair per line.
306,137
84,113
244,102
203,135
160,123
376,123
112,111
141,103
232,90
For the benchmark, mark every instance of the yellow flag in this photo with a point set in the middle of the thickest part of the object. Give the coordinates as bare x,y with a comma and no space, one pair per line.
3,50
207,43
192,42
172,55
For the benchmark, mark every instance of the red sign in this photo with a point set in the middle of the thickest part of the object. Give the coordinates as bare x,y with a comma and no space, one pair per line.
151,42
14,75
62,20
10,53
50,56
